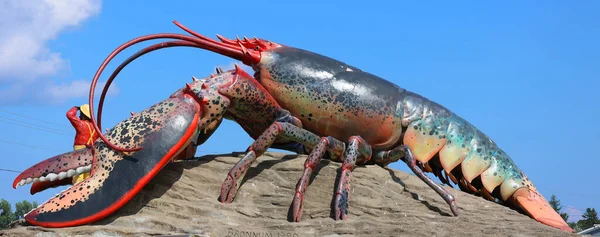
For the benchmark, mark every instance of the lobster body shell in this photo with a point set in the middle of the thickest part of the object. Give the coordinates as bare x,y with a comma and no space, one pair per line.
332,98
339,100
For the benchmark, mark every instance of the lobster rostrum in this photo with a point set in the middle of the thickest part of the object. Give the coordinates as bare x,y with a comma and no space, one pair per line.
120,169
380,122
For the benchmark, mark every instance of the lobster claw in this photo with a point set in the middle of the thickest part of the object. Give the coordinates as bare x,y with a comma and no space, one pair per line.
56,171
163,130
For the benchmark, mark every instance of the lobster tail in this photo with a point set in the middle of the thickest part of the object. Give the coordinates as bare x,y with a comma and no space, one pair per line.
538,208
454,150
525,199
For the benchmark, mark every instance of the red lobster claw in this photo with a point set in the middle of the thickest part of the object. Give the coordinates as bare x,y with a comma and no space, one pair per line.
163,130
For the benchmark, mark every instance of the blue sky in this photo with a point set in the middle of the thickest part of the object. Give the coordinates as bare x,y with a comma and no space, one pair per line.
525,73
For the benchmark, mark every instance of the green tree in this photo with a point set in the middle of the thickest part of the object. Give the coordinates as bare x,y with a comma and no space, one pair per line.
564,215
590,217
574,226
555,203
6,213
24,207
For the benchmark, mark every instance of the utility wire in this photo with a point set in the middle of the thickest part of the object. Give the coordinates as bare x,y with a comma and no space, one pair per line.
60,133
7,170
62,125
39,147
37,125
585,194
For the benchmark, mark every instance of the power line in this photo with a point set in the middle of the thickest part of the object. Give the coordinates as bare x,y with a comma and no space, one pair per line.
62,125
40,126
60,133
584,194
7,170
39,147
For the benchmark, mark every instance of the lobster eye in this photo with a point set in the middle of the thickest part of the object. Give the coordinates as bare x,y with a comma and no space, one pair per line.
257,48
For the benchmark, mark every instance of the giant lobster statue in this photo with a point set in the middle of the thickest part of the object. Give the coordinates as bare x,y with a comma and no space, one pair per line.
297,100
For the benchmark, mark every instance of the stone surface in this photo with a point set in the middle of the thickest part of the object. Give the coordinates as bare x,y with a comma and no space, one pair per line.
182,201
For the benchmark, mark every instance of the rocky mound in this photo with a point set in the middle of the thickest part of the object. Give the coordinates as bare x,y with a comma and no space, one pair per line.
182,200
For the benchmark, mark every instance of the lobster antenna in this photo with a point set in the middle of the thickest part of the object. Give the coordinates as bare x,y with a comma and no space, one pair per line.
189,41
129,60
200,41
247,57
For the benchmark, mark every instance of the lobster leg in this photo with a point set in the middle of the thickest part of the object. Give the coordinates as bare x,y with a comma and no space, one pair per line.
383,158
360,152
325,144
412,164
259,147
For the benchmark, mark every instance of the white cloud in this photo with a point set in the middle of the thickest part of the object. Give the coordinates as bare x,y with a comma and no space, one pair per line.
25,59
52,92
77,88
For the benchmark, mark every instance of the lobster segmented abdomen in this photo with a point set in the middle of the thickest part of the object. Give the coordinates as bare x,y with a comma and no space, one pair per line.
442,140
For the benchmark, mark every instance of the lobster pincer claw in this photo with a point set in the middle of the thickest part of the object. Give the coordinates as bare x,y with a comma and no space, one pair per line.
163,130
56,171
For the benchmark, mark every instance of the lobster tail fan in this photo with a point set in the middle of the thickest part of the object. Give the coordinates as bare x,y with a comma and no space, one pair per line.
537,207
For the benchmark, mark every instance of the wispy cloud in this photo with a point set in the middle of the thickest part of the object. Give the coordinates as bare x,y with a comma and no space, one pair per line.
25,59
